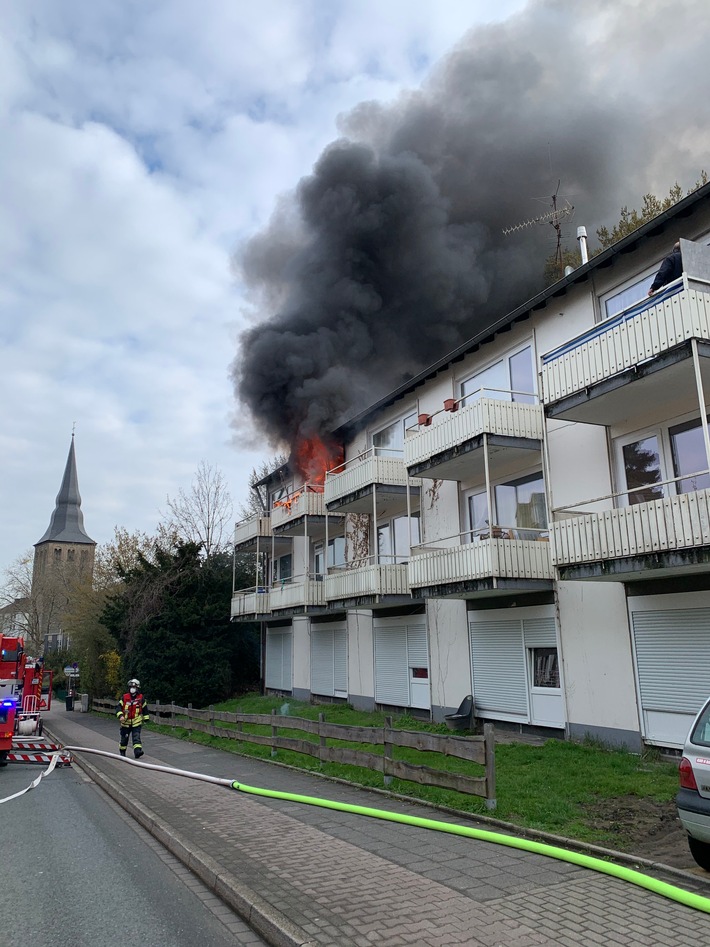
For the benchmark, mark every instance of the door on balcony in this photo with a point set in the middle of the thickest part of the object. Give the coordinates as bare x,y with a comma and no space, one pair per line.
329,660
510,379
389,442
402,663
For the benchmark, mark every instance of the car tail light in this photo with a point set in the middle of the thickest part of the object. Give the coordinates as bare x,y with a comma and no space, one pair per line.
687,777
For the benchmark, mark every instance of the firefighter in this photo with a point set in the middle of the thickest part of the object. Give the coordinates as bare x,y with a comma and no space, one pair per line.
132,713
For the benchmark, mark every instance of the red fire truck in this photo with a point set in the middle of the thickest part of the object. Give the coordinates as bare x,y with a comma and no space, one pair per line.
25,691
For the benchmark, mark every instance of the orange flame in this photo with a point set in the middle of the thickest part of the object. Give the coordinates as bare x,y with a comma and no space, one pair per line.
313,458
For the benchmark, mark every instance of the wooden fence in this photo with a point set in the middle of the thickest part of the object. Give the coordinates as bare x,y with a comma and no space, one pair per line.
474,749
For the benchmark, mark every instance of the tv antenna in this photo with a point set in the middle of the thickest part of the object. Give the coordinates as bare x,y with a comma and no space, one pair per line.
554,218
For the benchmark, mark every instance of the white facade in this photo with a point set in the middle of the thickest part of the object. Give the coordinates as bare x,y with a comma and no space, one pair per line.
528,522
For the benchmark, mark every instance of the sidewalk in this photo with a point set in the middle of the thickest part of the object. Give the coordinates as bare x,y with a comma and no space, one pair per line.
305,875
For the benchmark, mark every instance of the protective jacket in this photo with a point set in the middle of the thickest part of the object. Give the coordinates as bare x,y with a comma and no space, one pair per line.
132,710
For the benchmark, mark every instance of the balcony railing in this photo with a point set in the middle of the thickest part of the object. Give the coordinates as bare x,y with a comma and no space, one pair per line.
501,552
306,501
636,335
665,525
484,412
369,579
247,531
247,603
375,466
296,592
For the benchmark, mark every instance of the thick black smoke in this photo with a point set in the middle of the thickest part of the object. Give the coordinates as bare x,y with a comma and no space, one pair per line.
392,252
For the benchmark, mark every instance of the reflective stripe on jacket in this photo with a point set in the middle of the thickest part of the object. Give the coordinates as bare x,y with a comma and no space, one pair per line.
134,709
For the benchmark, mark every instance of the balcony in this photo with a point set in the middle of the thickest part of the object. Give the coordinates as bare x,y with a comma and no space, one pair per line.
297,596
613,371
252,533
368,584
494,563
350,487
668,536
250,605
449,445
301,513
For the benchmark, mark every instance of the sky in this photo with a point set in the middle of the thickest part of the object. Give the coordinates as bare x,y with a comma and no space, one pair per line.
177,222
142,144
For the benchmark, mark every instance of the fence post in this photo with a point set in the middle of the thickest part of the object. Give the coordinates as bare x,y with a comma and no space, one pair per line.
489,740
172,713
388,750
321,719
240,725
212,719
157,711
189,717
274,732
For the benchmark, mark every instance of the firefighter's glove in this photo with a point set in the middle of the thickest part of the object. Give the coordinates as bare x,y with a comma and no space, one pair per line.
123,721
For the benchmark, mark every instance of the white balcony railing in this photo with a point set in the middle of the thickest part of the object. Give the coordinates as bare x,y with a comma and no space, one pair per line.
248,530
300,592
249,602
307,501
365,470
666,524
451,428
499,556
371,579
639,333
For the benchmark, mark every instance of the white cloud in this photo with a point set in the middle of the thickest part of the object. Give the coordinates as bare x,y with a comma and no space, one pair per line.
141,143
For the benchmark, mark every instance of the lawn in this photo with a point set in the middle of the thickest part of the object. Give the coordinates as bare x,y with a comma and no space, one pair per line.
554,788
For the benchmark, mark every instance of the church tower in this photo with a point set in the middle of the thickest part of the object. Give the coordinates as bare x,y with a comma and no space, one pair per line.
64,557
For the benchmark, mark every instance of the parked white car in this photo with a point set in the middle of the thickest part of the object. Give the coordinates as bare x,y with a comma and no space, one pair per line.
693,800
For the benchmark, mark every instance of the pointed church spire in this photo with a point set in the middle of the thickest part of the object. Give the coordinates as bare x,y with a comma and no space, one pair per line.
67,523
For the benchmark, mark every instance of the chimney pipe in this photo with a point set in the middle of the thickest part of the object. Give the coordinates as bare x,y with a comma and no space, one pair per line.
582,239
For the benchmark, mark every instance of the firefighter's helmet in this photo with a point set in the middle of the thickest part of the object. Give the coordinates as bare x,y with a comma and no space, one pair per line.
134,682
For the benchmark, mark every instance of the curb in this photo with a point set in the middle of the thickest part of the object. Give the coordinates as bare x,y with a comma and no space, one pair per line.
269,923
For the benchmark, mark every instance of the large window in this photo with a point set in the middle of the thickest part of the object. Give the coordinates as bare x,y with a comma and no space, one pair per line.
389,442
510,379
336,555
665,454
283,569
520,511
393,539
622,299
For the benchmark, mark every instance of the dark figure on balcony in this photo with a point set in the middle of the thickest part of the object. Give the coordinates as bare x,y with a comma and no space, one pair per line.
670,269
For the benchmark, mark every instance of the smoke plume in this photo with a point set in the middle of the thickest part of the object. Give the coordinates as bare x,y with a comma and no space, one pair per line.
391,252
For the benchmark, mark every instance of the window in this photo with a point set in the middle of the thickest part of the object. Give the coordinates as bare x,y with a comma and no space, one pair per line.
478,518
279,493
642,468
393,544
520,505
545,667
336,555
389,442
283,567
623,299
510,379
688,453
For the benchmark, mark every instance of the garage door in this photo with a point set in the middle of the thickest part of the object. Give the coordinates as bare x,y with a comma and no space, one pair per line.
672,652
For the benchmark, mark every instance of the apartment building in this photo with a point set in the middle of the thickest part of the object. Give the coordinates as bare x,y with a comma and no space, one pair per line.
527,520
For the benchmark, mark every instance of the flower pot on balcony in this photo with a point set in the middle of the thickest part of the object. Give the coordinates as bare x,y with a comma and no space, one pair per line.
450,404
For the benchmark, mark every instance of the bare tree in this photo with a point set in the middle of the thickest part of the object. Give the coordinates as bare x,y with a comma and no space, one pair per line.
204,513
255,503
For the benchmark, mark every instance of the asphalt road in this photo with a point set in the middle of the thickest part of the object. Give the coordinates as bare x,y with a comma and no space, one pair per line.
76,871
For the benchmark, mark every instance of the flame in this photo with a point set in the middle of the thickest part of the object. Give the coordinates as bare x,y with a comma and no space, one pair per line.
313,458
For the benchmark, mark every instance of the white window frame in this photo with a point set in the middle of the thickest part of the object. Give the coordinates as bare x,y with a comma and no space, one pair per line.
623,287
502,394
405,420
466,529
396,557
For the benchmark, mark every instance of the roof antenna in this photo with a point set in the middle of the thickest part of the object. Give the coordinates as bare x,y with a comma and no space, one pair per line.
554,218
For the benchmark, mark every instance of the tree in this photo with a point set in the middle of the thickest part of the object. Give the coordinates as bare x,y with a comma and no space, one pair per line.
256,502
170,619
555,269
652,206
202,514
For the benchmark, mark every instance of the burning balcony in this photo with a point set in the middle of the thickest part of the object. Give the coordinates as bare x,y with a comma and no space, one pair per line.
492,562
486,426
367,583
615,370
375,477
660,533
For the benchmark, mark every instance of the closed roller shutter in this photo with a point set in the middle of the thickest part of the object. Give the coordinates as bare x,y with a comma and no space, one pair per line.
673,659
417,648
329,665
391,667
498,668
278,660
540,633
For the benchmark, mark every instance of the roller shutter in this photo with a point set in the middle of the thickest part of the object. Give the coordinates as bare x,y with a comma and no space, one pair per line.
498,668
278,660
329,665
391,667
